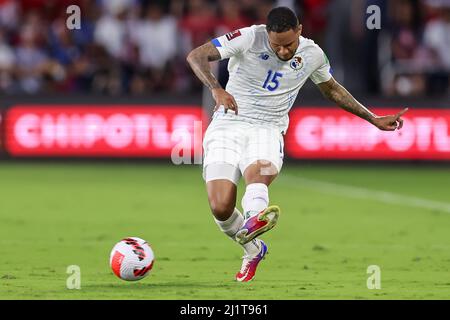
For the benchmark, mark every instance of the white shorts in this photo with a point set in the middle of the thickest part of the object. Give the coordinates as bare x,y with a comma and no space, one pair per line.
231,146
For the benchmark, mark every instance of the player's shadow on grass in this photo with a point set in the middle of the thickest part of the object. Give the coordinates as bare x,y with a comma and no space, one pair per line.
165,285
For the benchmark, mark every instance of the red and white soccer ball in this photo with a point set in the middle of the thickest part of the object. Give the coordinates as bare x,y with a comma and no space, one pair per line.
131,259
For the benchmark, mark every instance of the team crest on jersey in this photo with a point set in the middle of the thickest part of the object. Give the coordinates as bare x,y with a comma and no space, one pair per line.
233,34
297,63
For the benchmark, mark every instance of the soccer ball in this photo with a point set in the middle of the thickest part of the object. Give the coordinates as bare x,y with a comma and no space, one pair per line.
131,259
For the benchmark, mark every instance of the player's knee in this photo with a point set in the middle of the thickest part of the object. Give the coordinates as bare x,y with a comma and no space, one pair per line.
261,172
256,178
221,210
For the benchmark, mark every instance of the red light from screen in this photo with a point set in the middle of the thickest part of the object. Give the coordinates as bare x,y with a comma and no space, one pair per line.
330,133
111,131
153,131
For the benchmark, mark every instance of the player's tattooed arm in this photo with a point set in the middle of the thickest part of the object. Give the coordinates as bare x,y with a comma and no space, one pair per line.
338,94
199,60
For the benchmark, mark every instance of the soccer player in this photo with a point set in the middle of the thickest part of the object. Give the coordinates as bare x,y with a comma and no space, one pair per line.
268,65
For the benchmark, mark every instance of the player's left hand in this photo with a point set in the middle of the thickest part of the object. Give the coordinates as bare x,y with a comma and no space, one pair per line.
390,123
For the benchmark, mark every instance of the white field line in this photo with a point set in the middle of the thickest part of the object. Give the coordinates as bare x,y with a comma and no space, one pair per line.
363,193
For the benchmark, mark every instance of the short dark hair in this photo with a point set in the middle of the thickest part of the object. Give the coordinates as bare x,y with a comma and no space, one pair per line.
281,19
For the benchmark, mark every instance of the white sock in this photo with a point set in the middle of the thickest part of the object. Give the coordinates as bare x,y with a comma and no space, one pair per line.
253,247
232,225
256,199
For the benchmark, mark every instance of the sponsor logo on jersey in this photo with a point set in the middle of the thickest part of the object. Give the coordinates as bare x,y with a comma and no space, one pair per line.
264,56
297,63
233,34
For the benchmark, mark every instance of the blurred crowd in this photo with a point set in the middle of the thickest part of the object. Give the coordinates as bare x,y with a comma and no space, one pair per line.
139,46
416,55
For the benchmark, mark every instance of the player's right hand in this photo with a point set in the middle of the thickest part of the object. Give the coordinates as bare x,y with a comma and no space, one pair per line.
224,99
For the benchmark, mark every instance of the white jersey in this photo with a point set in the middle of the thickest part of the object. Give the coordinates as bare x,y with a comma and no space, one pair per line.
265,87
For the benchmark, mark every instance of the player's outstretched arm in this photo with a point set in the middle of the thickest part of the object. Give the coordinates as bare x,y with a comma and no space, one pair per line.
338,94
199,60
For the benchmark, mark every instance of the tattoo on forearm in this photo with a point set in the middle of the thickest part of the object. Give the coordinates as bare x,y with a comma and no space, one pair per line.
338,94
199,60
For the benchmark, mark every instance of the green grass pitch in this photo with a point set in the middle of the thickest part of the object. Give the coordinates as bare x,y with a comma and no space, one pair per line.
336,221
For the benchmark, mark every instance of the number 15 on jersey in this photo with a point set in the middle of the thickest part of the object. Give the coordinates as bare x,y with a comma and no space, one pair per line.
272,82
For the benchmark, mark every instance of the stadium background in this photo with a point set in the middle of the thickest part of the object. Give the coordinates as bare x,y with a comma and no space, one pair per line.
120,88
